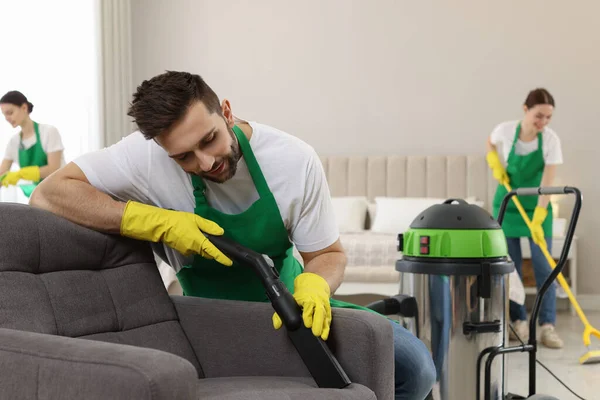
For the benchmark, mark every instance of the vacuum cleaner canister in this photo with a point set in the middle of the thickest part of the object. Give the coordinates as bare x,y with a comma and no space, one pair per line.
455,257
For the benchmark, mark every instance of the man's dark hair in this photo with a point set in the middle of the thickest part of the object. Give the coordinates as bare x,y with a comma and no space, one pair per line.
159,103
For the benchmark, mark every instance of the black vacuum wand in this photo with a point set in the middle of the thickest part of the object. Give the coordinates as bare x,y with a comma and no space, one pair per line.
321,363
531,346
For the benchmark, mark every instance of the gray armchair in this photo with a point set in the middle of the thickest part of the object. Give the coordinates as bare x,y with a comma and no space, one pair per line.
85,315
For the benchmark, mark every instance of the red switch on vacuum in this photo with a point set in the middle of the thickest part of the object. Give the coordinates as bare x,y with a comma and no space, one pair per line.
424,241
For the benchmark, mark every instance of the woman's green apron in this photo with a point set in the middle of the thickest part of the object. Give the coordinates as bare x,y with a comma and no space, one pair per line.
259,228
523,171
34,155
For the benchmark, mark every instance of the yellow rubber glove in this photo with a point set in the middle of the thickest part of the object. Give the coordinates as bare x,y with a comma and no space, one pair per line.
496,166
31,173
537,232
311,292
178,229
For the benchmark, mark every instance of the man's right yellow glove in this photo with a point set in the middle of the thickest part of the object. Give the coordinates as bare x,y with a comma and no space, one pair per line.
496,166
311,292
177,229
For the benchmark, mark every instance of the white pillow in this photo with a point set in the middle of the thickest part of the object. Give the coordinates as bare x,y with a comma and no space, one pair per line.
395,214
350,213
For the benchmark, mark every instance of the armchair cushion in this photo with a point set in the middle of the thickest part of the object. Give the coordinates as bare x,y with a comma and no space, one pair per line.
230,343
37,365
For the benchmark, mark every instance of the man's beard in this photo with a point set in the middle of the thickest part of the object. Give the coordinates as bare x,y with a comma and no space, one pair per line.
231,160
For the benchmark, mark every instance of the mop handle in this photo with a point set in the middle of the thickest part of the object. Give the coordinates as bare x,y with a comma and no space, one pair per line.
543,247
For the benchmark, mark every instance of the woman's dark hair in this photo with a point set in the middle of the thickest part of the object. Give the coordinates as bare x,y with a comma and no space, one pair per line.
17,98
539,96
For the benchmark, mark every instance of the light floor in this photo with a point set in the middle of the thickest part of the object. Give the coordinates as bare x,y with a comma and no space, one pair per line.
564,363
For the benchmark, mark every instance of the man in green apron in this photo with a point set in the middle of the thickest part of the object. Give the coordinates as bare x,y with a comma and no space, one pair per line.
530,163
30,161
193,167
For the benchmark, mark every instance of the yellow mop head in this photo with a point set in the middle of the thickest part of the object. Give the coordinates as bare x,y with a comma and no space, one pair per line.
590,357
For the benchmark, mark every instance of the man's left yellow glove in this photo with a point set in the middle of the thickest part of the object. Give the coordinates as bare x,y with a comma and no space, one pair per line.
311,292
537,232
31,173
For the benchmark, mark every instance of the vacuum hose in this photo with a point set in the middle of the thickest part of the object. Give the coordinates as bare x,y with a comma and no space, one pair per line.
282,300
321,363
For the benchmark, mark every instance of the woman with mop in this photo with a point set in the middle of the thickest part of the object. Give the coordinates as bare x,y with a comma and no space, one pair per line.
531,152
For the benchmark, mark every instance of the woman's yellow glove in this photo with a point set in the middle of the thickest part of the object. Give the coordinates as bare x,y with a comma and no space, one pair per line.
31,173
311,292
177,229
537,232
496,166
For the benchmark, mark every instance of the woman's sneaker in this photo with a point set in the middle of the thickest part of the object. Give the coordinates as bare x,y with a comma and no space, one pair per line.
521,328
550,338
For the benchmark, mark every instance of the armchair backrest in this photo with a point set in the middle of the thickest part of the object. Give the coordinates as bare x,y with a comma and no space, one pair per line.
60,278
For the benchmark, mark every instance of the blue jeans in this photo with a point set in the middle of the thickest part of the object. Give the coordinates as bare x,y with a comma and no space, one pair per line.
414,372
541,270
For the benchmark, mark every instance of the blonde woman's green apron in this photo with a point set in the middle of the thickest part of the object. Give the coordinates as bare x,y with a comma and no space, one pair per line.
523,171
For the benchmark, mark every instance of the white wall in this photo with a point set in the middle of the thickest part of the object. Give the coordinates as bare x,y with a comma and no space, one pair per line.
53,59
391,76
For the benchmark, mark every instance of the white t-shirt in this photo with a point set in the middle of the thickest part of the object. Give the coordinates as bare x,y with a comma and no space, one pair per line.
49,136
140,170
503,135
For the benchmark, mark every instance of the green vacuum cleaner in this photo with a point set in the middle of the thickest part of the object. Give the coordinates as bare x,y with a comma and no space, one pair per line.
455,256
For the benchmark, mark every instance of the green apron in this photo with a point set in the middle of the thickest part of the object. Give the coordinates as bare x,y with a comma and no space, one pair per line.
34,155
523,171
259,228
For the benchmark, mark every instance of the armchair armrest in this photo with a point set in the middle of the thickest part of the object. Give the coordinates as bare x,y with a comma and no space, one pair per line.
66,368
234,338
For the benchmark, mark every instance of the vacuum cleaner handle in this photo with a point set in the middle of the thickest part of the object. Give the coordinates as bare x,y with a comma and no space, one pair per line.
531,347
541,191
321,363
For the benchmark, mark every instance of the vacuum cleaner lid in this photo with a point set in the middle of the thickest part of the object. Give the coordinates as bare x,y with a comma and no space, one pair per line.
454,238
455,214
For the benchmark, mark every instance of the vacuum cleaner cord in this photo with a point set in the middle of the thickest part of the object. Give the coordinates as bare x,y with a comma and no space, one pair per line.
546,368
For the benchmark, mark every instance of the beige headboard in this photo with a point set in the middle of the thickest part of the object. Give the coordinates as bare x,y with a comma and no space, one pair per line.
411,176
